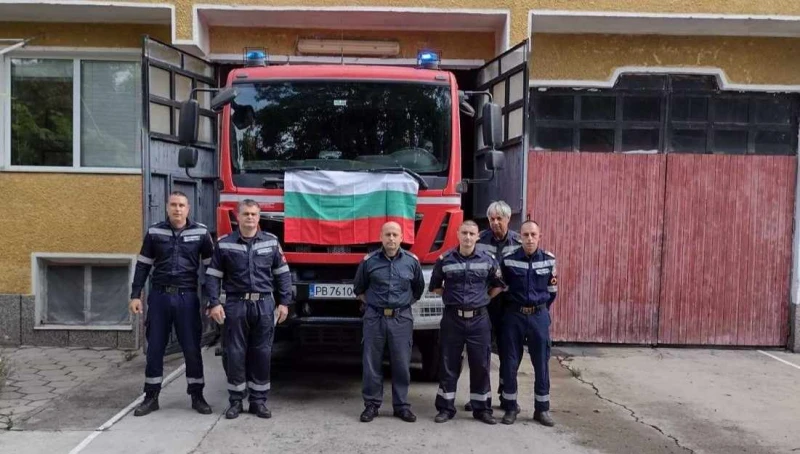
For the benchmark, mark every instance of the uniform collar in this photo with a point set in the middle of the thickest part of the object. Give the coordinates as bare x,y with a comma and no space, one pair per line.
400,252
537,252
238,236
457,250
167,224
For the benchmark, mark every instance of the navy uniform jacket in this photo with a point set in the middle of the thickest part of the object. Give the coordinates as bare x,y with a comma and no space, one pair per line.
389,283
249,266
531,279
174,255
500,248
466,279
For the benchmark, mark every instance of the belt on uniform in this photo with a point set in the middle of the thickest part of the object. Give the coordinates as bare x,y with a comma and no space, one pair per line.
173,290
388,312
468,313
253,296
528,310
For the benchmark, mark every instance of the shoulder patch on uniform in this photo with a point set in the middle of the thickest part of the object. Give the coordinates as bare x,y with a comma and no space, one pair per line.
550,254
370,255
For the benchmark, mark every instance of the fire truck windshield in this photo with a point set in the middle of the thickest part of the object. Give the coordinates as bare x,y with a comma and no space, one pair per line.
340,125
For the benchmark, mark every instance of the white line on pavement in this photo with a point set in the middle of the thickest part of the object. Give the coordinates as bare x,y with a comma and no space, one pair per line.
781,360
123,412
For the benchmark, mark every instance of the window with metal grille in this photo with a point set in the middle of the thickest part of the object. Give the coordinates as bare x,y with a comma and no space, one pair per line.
664,113
83,290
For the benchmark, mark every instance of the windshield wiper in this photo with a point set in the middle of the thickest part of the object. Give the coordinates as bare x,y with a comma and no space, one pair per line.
422,183
281,172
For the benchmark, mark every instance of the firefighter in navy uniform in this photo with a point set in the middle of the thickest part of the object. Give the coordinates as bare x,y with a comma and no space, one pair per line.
250,266
467,279
173,249
499,241
388,281
530,274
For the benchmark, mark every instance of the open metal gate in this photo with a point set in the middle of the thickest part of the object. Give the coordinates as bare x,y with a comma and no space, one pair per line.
168,77
506,78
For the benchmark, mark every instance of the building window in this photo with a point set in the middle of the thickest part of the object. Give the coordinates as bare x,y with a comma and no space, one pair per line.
664,113
83,291
75,113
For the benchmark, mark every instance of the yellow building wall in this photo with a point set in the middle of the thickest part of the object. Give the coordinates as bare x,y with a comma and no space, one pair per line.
283,41
519,9
69,212
45,212
83,35
595,57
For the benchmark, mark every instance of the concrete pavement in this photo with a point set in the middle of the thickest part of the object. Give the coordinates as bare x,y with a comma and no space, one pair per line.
610,400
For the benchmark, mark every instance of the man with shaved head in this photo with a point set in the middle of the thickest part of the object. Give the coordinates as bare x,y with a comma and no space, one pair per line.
388,281
530,273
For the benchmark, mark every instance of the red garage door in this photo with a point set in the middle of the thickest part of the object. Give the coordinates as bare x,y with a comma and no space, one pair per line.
602,216
667,249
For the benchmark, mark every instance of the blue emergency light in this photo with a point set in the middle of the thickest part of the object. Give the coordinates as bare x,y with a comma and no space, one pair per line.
255,58
428,59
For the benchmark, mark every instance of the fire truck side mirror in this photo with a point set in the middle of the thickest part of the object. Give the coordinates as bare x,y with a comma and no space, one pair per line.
492,125
495,160
188,122
187,158
223,98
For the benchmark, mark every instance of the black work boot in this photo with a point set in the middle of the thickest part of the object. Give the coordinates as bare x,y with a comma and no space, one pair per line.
369,413
442,416
544,418
485,416
260,409
406,415
200,404
148,405
234,410
509,417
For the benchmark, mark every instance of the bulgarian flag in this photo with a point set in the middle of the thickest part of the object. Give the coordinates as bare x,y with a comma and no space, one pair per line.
340,208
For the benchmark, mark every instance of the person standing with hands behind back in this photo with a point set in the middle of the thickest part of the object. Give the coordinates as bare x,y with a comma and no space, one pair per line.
388,281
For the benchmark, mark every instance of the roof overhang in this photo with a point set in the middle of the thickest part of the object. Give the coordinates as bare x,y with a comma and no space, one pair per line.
85,12
351,18
606,22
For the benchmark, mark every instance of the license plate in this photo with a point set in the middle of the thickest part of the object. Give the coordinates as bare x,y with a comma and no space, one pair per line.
331,291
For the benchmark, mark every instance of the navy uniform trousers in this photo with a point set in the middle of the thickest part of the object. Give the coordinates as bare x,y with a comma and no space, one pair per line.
454,332
181,309
249,332
397,330
518,330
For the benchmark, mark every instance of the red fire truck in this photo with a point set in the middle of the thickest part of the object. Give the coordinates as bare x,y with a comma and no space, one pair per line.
275,118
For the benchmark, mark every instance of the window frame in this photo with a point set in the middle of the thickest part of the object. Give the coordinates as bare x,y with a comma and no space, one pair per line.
76,56
39,264
666,124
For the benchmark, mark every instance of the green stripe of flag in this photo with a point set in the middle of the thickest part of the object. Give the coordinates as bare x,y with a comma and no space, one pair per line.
349,207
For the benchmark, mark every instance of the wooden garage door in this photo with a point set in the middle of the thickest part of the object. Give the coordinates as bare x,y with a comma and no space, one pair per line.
602,216
727,250
667,249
